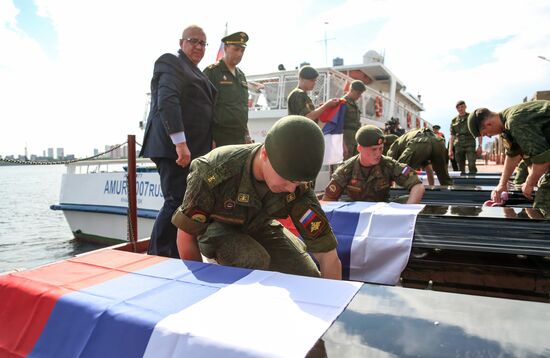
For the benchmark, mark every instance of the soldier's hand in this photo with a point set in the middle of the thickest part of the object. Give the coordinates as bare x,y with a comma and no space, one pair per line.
333,102
451,154
184,155
478,151
497,192
527,190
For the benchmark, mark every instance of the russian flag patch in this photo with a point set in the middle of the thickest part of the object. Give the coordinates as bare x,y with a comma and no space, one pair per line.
406,170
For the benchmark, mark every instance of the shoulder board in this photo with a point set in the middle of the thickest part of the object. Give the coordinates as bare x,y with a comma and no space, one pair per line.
224,163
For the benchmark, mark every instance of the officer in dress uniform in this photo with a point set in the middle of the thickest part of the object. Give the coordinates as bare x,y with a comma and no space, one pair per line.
352,118
235,193
421,148
369,175
299,102
231,109
525,131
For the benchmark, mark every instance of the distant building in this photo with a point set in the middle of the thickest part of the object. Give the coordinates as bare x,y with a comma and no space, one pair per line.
96,151
50,153
69,157
60,153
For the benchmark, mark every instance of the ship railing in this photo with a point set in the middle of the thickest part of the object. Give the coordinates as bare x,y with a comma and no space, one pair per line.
107,165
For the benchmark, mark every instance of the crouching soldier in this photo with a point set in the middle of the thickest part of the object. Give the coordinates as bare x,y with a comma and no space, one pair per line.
235,193
369,175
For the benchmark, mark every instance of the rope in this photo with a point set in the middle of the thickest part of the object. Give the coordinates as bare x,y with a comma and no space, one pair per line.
45,162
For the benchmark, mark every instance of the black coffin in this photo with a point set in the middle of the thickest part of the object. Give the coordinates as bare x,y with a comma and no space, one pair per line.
462,195
493,251
384,321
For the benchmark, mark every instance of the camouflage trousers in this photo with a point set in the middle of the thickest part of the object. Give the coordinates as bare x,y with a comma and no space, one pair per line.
521,173
542,196
463,154
272,247
350,143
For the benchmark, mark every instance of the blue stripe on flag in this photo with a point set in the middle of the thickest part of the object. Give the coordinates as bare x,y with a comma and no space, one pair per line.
116,318
343,223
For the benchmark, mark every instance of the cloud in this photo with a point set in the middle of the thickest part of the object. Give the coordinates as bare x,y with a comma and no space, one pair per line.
92,92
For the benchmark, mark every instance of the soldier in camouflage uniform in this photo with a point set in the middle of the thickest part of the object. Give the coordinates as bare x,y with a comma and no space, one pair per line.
462,146
421,148
231,109
525,130
235,194
388,141
522,172
299,102
369,175
352,118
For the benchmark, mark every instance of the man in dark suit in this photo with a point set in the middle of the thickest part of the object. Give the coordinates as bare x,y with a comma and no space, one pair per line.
179,129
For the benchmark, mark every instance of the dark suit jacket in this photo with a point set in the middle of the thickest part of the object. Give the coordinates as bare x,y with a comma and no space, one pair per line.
182,99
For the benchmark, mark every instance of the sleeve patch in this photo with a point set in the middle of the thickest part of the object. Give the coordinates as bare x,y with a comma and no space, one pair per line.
312,223
406,171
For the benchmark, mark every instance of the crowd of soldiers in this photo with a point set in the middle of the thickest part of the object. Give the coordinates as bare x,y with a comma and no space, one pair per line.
224,193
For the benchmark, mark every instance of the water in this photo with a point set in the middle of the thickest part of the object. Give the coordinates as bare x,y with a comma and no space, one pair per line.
31,234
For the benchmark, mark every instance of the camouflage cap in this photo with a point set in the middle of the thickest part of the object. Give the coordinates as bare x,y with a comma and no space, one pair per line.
308,73
358,86
436,126
459,103
238,38
369,135
295,147
475,118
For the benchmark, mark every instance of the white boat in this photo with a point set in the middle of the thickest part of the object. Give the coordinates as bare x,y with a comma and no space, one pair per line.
94,193
94,199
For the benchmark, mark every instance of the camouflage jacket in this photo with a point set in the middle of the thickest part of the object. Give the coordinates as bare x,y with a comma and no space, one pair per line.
299,102
221,187
369,183
527,131
463,139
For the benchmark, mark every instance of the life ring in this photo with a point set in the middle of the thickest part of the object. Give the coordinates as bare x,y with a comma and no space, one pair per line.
409,120
378,106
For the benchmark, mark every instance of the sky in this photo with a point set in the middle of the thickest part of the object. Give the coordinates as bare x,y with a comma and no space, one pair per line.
75,73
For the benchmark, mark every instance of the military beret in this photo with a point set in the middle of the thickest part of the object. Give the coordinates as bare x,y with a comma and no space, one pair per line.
475,118
308,73
436,126
238,38
459,103
295,147
358,86
369,135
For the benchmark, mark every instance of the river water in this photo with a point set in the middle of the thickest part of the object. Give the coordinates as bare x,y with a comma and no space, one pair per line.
31,234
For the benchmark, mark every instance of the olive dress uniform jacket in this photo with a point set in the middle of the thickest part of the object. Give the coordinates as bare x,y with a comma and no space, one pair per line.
369,183
299,103
221,187
419,148
182,99
231,109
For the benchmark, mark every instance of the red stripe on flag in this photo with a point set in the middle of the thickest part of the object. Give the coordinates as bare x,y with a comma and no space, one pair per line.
29,297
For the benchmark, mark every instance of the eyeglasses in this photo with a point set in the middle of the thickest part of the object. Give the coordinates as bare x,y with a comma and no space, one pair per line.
196,42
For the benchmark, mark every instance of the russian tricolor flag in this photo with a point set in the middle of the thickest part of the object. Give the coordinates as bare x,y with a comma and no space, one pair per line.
333,131
118,304
374,239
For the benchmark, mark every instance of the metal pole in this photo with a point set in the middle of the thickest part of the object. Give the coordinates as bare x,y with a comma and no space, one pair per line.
132,201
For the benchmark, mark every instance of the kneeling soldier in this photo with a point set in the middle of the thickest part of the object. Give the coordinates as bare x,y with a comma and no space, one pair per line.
234,194
369,175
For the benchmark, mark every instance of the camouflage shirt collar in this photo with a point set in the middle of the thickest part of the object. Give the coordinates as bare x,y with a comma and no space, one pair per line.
248,194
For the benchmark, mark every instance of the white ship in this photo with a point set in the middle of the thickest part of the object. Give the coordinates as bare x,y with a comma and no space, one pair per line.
94,193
